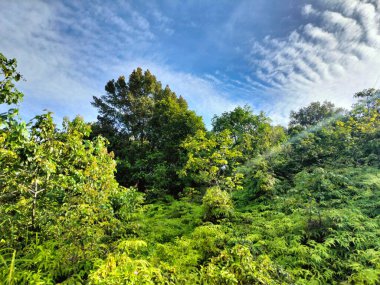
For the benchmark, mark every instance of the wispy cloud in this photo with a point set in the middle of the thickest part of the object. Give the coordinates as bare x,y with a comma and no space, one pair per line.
45,59
67,52
334,54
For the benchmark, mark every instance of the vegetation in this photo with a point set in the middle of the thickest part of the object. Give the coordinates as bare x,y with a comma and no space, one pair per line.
244,203
145,125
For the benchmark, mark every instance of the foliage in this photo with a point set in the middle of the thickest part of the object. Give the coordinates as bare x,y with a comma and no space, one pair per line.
307,209
258,178
211,161
164,222
124,267
56,192
61,187
238,266
352,139
312,114
8,92
251,134
217,204
145,125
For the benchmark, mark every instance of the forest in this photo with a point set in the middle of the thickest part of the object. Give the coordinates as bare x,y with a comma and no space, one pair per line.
148,195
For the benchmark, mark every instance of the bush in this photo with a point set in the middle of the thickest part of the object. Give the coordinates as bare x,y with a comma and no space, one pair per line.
217,204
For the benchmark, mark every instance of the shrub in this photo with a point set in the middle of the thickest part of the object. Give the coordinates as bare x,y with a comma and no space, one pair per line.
217,204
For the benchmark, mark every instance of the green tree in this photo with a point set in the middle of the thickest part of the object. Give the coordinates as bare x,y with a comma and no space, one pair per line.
259,179
252,134
127,106
61,187
211,161
57,198
369,98
13,137
169,126
312,114
145,125
8,92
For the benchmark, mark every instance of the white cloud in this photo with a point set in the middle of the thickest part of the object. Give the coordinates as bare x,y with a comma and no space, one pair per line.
31,37
308,10
68,52
330,58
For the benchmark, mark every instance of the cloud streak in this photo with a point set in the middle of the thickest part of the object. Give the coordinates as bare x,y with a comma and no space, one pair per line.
333,55
67,52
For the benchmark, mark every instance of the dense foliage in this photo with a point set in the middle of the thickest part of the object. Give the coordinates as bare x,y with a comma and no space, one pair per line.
245,203
145,125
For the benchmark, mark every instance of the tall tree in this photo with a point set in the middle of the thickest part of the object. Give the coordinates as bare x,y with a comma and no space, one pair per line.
145,125
127,106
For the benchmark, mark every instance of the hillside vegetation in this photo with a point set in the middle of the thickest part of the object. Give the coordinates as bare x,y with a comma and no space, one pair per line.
147,195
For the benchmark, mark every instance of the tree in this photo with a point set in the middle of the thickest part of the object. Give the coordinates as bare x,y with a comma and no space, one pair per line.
312,114
170,125
252,134
8,93
211,161
127,107
59,202
365,126
60,187
145,125
369,98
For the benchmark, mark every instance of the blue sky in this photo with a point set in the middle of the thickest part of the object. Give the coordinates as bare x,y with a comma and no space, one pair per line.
273,55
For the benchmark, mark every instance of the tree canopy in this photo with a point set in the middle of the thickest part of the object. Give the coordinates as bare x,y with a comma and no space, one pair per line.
313,114
145,125
252,134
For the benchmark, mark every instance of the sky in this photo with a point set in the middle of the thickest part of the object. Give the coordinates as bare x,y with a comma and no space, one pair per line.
273,55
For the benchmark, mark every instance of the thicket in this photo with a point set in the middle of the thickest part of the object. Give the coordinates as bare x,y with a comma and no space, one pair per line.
146,195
